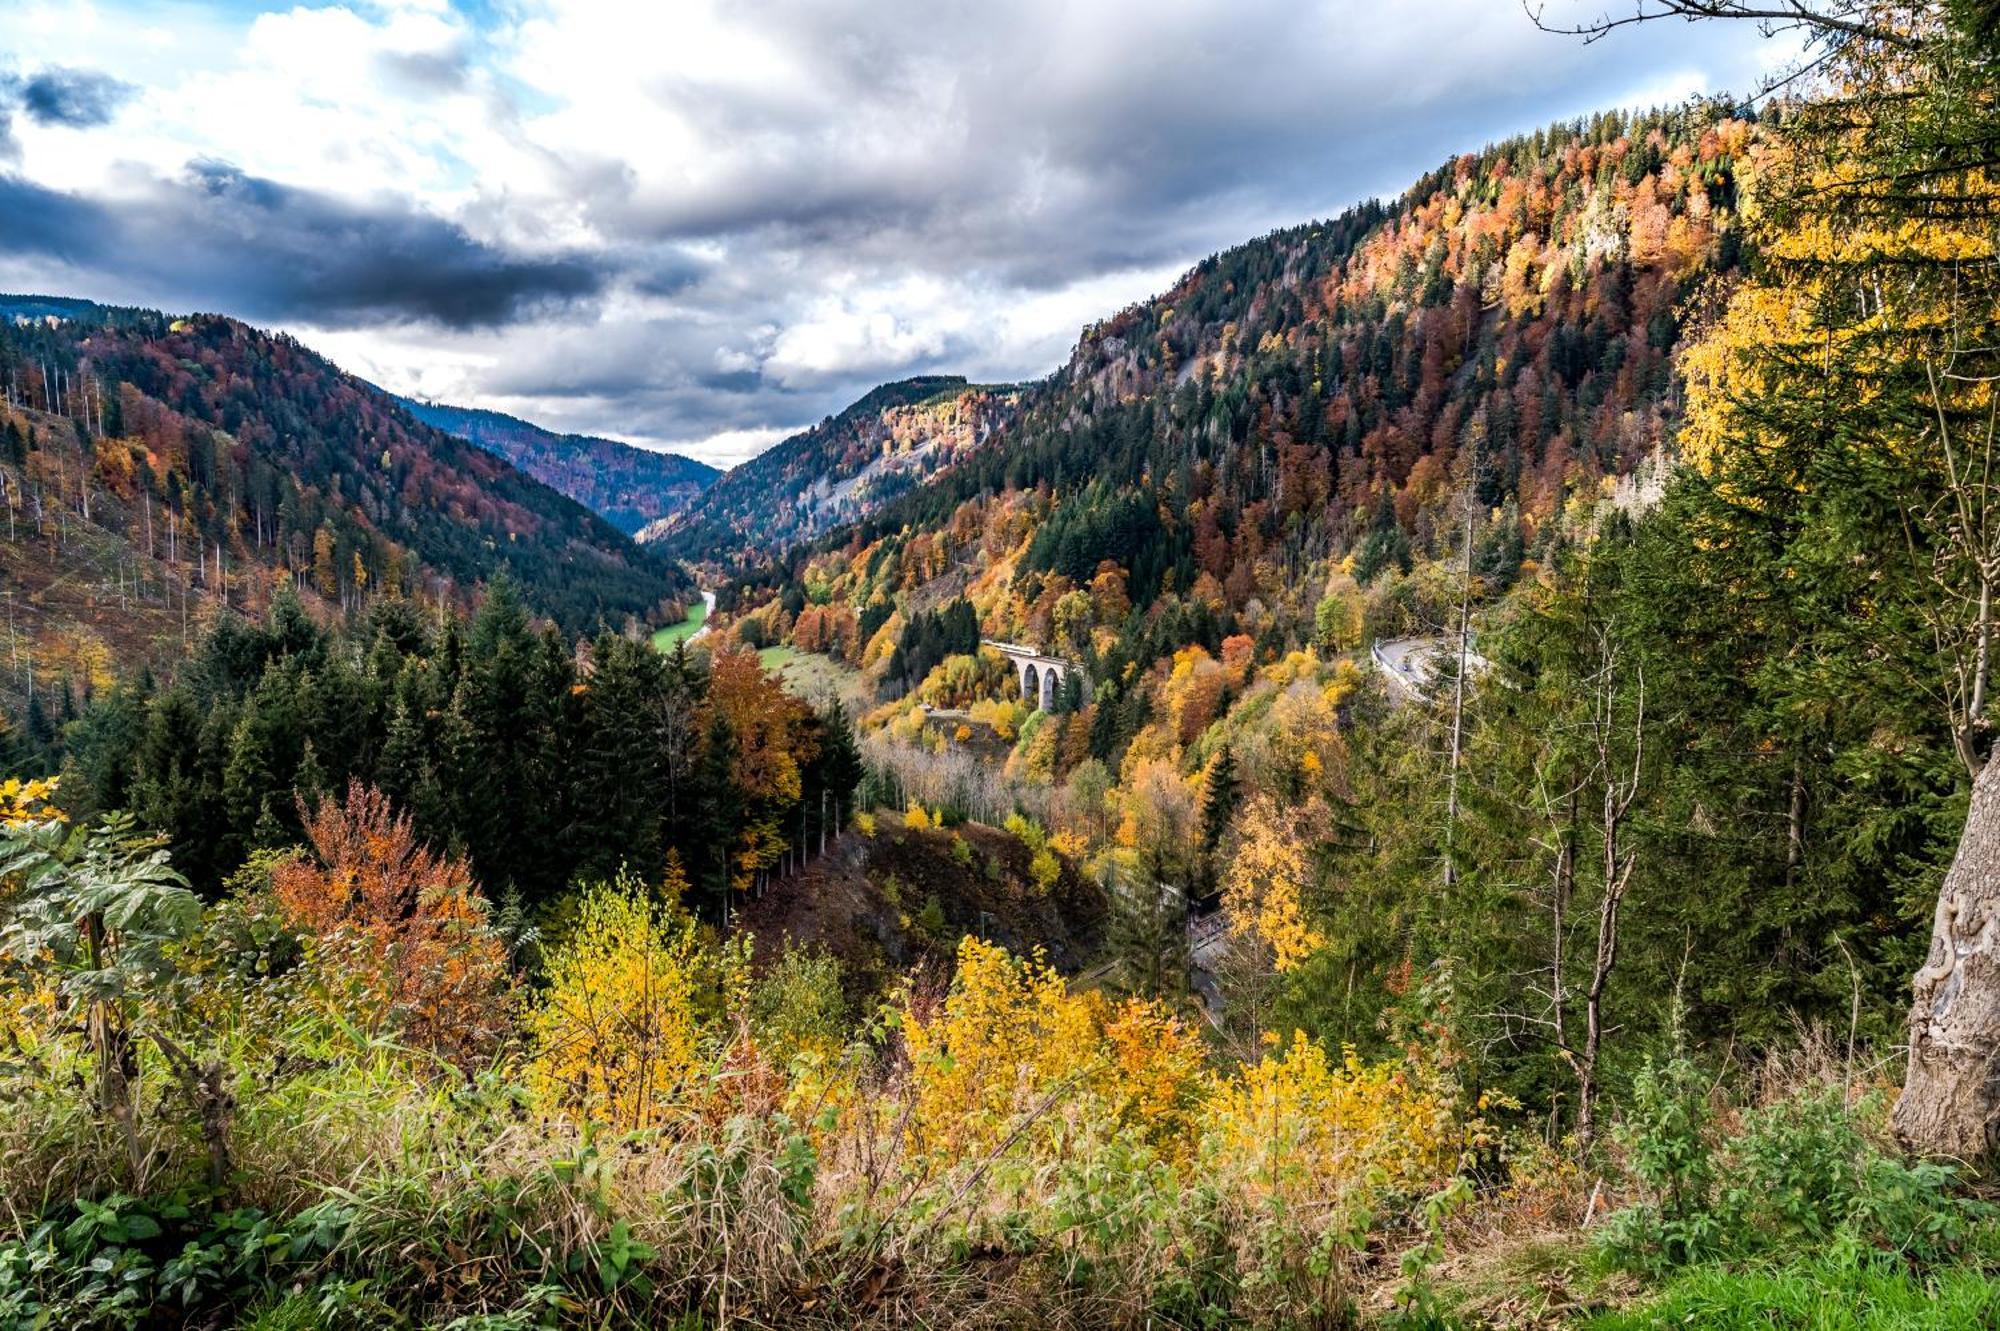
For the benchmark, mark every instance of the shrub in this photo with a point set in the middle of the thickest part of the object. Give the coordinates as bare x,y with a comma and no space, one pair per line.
617,1036
1666,1137
1798,1174
1012,1040
798,1006
408,924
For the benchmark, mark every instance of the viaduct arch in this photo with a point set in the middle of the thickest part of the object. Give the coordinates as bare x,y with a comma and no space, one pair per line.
1039,673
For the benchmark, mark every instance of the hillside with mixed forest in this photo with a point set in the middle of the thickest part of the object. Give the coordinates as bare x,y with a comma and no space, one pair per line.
1331,388
158,468
887,444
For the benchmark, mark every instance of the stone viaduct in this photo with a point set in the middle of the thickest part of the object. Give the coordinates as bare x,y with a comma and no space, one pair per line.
1040,674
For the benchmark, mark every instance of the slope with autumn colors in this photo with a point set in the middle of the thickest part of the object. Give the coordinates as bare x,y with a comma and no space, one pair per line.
1506,329
221,461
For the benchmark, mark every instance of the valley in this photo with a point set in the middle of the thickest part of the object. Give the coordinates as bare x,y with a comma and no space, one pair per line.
629,487
687,630
1432,774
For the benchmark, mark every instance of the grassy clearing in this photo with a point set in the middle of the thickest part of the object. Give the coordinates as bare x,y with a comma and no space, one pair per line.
814,677
666,639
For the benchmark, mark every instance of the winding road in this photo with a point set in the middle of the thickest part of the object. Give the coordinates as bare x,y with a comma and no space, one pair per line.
1411,663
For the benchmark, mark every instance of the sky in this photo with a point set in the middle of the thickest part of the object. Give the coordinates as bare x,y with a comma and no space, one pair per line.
704,225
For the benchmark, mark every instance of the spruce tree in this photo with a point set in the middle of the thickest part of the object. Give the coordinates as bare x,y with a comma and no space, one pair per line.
840,765
718,817
1147,936
1218,804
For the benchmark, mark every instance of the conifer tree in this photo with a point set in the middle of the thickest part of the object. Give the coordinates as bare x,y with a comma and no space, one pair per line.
1218,804
717,822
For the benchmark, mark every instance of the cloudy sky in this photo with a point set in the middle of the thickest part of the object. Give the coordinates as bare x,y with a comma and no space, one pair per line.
706,224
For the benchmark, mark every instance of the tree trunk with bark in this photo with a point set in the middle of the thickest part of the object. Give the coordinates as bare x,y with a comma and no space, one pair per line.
1950,1106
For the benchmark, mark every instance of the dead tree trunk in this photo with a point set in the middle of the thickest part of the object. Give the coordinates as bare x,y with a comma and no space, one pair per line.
1950,1106
1621,791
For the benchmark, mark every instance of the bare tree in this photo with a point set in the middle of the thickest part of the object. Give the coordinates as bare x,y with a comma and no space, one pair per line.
1831,21
1462,651
1621,781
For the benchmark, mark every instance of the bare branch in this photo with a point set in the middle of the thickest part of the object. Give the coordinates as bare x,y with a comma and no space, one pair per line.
1831,20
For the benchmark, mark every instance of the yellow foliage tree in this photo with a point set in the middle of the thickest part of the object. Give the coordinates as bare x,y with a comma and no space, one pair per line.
1271,873
1011,1042
1193,692
616,1035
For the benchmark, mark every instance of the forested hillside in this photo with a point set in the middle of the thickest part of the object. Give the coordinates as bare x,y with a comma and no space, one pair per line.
629,487
845,467
1332,387
539,759
226,461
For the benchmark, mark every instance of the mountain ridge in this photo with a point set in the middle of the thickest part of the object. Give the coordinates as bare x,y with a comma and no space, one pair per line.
625,484
885,443
1624,207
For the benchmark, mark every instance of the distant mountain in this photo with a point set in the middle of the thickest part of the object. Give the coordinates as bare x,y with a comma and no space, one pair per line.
845,468
198,459
627,486
20,309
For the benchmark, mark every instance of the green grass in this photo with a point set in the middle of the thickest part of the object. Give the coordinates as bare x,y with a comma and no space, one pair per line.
666,639
1838,1291
815,677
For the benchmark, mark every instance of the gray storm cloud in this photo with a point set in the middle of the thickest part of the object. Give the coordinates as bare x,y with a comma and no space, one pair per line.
219,239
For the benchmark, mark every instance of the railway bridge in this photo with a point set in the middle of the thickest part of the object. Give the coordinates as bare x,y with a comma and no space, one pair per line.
1040,674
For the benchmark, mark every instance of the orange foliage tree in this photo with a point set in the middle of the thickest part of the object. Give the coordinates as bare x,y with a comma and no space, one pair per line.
767,724
409,923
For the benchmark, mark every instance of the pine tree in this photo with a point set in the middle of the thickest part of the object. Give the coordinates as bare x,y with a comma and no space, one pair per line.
717,822
618,770
1147,936
839,764
248,781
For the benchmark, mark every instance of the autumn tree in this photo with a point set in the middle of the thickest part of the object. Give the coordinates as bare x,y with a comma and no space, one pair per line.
1269,885
1153,875
619,1034
409,921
